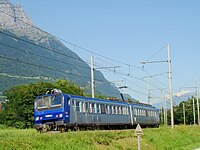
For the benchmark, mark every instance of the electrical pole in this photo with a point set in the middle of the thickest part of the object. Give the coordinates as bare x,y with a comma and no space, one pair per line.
165,109
170,87
92,75
161,114
194,111
184,112
197,97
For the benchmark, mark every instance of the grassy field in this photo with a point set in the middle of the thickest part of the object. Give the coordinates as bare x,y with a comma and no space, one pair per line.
180,138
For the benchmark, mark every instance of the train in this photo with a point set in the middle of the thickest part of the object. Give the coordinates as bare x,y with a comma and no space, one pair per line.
63,112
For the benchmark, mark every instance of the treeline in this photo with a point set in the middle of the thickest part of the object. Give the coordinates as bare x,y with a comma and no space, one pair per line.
179,113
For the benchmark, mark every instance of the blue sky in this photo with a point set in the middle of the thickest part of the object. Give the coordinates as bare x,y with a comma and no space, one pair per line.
129,31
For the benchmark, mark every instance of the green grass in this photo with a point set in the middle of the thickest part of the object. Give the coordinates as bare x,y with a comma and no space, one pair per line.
180,138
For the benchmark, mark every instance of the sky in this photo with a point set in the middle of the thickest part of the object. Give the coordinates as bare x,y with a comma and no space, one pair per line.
129,31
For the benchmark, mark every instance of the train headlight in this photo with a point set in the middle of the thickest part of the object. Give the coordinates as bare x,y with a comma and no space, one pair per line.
60,115
40,118
37,118
56,116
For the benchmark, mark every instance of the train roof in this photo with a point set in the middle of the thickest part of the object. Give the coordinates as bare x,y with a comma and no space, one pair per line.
113,101
138,104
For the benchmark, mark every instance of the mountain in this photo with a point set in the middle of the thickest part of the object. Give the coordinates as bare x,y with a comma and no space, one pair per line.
28,54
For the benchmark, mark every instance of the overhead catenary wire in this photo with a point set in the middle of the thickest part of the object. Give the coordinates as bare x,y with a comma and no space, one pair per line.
48,68
75,45
46,57
56,60
66,54
79,47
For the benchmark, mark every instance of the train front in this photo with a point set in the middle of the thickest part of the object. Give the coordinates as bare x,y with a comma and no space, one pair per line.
50,112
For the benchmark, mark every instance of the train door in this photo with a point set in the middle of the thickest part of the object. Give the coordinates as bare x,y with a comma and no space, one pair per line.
67,107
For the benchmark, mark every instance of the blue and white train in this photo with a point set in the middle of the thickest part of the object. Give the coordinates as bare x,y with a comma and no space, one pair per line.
65,111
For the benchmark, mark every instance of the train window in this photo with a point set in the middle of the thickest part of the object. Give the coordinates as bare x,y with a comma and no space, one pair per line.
116,110
86,106
107,109
112,109
127,111
134,112
77,106
124,111
103,109
98,109
73,103
80,106
146,113
94,107
69,102
119,110
142,112
138,112
83,106
90,107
